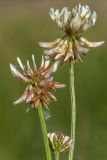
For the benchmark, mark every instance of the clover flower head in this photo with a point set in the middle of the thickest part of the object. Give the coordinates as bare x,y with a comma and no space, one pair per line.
72,44
59,142
39,82
78,19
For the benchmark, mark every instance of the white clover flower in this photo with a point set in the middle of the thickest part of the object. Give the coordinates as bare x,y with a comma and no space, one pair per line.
72,44
61,18
79,19
59,142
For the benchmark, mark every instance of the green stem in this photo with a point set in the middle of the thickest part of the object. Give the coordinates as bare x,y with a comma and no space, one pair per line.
56,155
73,109
44,131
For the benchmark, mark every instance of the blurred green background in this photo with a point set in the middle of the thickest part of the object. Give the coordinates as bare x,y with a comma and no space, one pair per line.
23,24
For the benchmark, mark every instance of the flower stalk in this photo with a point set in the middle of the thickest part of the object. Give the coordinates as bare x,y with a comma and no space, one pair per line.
57,155
44,131
73,108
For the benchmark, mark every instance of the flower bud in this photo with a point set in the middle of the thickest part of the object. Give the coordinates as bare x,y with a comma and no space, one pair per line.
59,142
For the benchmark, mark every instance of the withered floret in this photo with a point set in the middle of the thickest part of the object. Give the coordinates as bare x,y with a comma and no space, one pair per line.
39,82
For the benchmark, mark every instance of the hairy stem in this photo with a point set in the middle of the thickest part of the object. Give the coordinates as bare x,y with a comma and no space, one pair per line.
73,108
44,132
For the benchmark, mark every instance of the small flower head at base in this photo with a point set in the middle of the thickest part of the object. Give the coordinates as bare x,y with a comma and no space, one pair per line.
39,82
59,142
72,46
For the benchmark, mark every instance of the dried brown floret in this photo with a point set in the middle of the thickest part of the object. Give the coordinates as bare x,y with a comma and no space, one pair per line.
39,82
